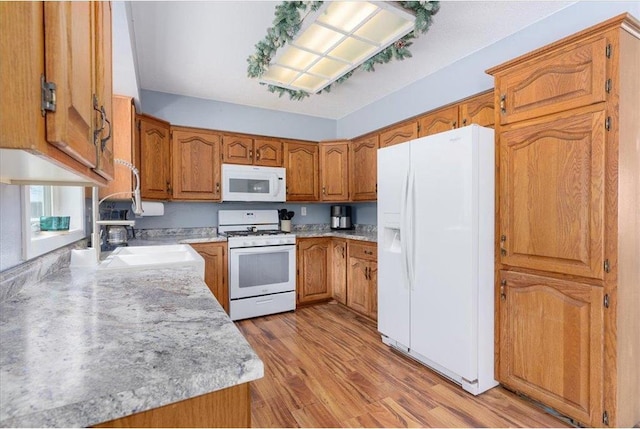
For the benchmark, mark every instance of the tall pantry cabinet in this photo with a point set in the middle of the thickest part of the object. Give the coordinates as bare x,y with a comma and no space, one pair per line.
568,289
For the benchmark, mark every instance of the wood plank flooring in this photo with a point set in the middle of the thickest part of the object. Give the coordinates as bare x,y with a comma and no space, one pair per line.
325,366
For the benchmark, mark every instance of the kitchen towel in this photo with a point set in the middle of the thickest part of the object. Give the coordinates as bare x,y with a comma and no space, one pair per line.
152,208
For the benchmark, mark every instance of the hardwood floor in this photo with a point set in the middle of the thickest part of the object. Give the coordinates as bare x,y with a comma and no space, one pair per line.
325,366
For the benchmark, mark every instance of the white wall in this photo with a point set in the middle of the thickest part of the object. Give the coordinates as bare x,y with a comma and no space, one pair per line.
467,76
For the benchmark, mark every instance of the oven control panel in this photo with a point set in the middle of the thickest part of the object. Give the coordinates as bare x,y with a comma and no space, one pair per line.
261,241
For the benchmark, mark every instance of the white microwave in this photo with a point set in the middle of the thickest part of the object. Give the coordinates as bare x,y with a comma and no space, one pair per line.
251,183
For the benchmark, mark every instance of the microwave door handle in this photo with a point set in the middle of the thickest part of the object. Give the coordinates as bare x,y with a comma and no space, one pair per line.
278,185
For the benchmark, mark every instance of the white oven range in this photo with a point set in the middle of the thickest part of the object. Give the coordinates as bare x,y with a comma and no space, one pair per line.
262,263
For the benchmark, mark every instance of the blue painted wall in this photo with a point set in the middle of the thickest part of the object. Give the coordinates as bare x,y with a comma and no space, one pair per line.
197,112
190,215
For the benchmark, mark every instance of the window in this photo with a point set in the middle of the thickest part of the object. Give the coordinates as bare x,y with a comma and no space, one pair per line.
40,201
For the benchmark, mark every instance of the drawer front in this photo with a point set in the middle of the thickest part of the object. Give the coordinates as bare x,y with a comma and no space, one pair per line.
363,251
568,78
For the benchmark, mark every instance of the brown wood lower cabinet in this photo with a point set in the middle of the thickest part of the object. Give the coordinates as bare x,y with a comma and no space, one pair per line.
230,407
313,260
362,278
215,270
551,348
342,269
338,269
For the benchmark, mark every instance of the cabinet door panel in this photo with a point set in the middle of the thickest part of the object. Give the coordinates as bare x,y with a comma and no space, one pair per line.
155,168
215,270
268,153
334,171
551,202
104,88
339,270
373,290
572,77
301,162
436,122
237,149
69,63
313,264
478,110
196,165
399,134
551,343
358,291
363,169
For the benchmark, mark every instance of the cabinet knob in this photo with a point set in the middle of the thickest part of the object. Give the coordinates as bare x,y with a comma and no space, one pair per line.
455,124
503,294
503,103
464,121
324,190
258,154
250,153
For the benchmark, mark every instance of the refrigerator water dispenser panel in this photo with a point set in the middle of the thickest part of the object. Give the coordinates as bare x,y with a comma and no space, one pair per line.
391,240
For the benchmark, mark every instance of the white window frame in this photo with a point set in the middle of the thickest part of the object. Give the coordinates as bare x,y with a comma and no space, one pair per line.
66,201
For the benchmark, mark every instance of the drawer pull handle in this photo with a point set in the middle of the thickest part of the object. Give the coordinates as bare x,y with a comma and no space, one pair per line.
503,103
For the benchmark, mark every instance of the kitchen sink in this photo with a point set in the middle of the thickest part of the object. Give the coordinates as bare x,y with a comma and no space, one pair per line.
145,257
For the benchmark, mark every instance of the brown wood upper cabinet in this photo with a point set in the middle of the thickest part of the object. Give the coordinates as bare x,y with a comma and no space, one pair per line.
155,155
438,121
334,171
196,164
301,162
561,80
66,44
215,270
399,134
477,110
363,168
124,122
104,90
238,149
314,262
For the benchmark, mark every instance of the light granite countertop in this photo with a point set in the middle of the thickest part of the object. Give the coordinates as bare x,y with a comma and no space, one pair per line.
350,234
82,347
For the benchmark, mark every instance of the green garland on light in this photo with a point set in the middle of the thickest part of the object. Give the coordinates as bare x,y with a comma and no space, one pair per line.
287,23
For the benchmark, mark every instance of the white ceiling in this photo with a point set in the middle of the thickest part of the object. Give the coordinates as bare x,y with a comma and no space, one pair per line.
200,49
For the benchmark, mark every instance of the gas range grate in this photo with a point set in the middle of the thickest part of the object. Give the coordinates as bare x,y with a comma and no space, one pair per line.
253,233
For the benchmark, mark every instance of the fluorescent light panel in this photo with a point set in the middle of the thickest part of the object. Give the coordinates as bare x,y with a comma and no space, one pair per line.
334,40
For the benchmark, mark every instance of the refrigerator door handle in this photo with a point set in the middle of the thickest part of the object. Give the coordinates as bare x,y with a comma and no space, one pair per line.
404,231
410,227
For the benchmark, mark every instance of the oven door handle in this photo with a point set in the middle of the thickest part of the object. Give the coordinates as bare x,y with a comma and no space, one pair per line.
262,249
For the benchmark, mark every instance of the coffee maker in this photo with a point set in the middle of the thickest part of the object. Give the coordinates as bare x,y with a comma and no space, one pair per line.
341,217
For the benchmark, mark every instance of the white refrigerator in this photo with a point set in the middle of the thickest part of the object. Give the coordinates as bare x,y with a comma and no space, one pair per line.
436,253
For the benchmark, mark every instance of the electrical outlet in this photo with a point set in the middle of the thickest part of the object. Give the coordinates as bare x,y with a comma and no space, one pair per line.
303,211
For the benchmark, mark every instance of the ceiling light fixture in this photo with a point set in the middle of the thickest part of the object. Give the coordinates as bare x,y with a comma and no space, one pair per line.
332,40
